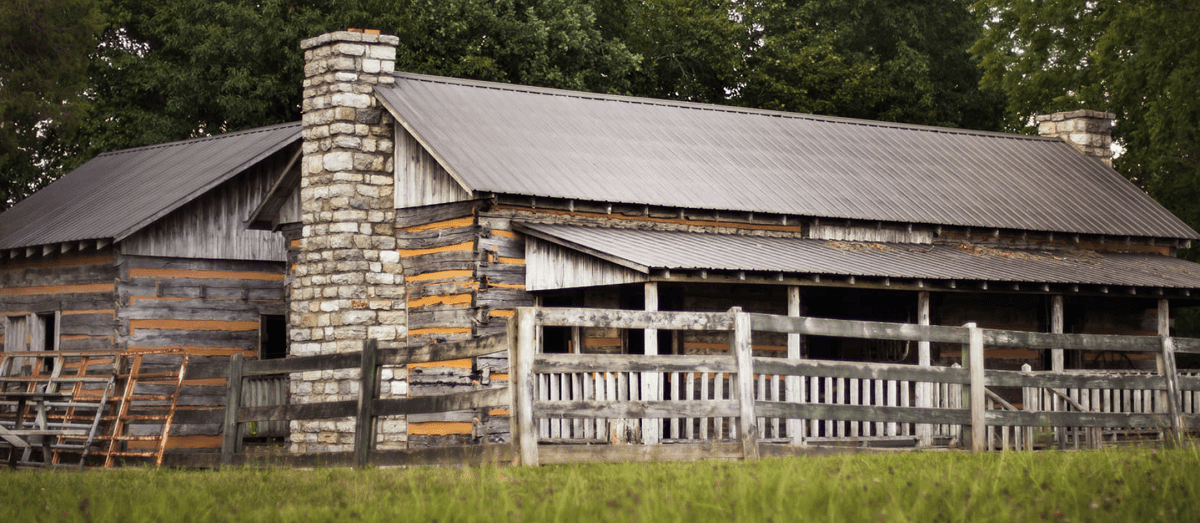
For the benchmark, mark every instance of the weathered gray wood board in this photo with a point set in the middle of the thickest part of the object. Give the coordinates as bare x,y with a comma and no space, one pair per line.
212,226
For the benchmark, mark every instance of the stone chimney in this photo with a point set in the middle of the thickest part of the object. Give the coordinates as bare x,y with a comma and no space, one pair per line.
347,284
1089,132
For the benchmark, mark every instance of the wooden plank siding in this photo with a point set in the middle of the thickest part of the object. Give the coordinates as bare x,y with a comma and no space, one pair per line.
211,226
420,179
79,285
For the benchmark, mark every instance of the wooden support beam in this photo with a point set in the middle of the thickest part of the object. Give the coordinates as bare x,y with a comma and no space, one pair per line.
747,422
1160,360
793,390
521,386
230,433
650,380
974,363
924,389
1056,360
368,392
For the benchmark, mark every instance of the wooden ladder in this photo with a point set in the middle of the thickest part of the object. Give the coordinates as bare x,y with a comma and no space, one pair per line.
137,405
85,410
73,421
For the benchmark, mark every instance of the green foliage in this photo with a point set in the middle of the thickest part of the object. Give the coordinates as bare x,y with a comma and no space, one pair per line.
691,50
174,69
1139,60
552,43
1112,485
44,46
897,60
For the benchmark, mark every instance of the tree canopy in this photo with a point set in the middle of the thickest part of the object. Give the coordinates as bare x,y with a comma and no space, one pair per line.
173,69
44,51
1138,60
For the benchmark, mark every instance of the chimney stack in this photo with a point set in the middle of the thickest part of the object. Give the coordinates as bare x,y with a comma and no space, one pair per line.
1089,132
347,283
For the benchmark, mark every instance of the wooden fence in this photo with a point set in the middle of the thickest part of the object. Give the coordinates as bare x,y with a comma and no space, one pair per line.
593,407
365,410
738,406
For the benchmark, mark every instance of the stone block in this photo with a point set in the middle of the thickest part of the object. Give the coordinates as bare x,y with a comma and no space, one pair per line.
349,48
338,161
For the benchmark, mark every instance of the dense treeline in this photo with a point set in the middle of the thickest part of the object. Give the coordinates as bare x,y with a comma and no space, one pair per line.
79,77
138,72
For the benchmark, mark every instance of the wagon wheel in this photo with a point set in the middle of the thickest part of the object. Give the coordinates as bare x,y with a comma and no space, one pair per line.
1112,360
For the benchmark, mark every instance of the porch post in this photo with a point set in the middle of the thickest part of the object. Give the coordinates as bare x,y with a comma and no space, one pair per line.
977,394
1164,367
743,357
521,386
650,427
792,386
1056,361
924,389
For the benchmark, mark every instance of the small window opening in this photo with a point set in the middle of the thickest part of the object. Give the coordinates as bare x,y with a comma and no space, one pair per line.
272,337
47,324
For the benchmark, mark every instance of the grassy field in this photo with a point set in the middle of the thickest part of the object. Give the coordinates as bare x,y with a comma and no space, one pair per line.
1112,485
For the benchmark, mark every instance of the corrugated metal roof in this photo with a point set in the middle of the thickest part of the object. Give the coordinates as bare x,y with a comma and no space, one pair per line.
511,139
698,251
117,193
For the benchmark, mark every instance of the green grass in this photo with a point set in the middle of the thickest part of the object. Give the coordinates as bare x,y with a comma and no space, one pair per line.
1111,485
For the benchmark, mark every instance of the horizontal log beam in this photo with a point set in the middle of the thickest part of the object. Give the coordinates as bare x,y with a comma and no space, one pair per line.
624,319
821,411
635,409
1077,419
1045,379
544,363
857,329
444,403
859,370
456,350
325,410
548,454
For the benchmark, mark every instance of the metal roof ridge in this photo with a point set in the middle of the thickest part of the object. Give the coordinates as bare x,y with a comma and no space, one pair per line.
732,109
233,134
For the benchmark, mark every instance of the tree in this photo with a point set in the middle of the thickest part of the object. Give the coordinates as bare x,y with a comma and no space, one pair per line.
896,60
691,50
174,69
551,43
1138,60
44,47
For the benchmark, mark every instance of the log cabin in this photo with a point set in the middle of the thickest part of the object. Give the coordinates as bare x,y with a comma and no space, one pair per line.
427,209
146,249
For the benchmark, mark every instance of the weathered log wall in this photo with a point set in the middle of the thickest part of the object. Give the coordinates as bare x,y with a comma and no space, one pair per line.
210,308
80,285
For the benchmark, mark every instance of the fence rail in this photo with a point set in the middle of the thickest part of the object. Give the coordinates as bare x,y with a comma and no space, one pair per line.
365,410
585,407
706,400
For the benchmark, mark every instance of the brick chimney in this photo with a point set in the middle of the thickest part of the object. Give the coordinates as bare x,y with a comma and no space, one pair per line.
1089,132
347,284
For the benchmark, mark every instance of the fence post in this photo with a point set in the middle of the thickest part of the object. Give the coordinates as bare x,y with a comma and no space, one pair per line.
364,426
924,388
794,387
747,422
650,380
973,359
230,433
521,386
1172,378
